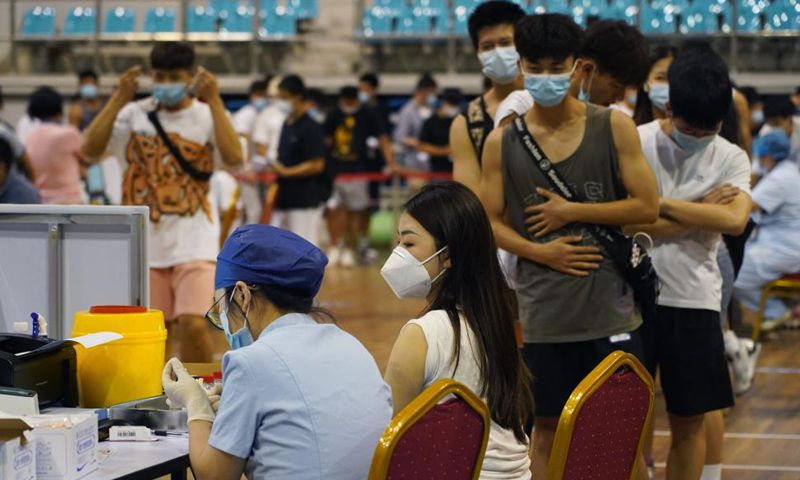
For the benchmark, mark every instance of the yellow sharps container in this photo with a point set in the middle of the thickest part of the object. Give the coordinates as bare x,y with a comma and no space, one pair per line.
126,369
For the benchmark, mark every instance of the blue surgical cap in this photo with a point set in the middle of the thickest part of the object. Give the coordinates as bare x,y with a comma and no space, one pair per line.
264,255
776,144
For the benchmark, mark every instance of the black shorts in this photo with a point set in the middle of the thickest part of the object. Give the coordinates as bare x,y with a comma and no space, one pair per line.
558,368
686,346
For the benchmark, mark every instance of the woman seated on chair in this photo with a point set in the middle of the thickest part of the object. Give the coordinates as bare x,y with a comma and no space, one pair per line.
447,255
300,399
774,249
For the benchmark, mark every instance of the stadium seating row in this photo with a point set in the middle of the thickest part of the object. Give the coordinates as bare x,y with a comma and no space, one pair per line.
400,18
218,16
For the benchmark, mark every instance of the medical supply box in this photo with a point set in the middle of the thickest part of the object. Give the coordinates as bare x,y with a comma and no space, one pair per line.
66,445
17,450
47,367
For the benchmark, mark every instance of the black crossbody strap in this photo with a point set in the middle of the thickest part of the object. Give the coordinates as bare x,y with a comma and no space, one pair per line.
602,234
196,174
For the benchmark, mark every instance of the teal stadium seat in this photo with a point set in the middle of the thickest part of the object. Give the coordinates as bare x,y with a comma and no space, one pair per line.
305,9
201,19
80,21
377,22
415,22
160,20
782,16
239,20
39,21
750,15
278,23
120,20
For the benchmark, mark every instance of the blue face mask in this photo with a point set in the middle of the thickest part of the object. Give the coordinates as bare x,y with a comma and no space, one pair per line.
547,90
285,106
88,91
169,94
500,64
260,104
633,97
363,96
433,101
659,95
689,143
242,338
757,117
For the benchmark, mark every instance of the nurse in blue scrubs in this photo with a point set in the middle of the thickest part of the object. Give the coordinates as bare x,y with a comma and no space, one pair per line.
301,398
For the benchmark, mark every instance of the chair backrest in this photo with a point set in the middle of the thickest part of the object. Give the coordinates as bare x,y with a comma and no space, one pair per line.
80,21
160,20
602,426
445,440
278,23
39,21
201,19
120,20
782,15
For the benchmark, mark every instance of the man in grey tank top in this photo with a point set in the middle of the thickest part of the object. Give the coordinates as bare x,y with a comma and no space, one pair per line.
575,307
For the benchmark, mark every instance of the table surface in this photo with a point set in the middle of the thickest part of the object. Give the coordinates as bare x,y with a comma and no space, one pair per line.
130,457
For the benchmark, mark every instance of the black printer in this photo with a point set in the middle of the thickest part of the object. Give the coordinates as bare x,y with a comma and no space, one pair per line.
48,367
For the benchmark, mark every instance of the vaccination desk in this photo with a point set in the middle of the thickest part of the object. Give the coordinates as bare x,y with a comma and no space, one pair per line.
143,460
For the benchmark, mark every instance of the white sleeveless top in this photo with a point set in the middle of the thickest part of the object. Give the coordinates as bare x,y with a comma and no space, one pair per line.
505,458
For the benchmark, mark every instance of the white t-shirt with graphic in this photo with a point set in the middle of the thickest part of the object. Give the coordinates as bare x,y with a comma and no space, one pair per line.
687,264
178,236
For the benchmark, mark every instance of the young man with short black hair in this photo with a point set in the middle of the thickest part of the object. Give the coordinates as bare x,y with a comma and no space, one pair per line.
300,164
612,57
574,305
410,119
434,140
244,121
704,183
491,29
185,115
354,133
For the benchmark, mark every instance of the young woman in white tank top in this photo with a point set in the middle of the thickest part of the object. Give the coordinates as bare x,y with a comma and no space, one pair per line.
447,255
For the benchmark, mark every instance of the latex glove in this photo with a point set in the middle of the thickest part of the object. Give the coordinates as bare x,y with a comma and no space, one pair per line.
214,396
183,391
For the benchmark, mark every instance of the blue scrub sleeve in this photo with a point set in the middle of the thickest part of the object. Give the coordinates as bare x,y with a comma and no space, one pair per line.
771,191
238,419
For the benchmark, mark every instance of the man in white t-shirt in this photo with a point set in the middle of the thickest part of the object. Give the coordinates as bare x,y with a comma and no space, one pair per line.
244,121
184,223
267,129
704,183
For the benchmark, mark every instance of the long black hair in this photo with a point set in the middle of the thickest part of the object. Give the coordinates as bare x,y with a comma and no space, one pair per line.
643,113
475,286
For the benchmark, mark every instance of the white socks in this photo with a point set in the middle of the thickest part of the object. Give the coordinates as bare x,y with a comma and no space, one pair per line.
711,472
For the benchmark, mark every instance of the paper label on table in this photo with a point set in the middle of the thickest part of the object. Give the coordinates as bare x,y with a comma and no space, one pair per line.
95,339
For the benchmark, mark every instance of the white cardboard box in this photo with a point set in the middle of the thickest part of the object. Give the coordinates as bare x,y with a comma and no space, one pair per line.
17,450
66,446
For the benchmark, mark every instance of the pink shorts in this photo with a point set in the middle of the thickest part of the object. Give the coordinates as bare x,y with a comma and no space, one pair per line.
186,289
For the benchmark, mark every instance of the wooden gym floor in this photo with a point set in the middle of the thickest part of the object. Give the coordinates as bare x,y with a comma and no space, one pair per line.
762,432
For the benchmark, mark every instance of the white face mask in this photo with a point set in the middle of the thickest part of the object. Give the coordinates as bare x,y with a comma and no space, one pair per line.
407,276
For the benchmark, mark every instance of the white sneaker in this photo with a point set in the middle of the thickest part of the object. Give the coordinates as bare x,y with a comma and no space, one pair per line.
744,365
348,260
775,323
334,256
731,344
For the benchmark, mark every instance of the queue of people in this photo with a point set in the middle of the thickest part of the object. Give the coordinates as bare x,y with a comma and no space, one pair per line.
670,162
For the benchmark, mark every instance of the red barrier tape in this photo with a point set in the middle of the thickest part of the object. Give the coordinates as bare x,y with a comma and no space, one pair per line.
354,177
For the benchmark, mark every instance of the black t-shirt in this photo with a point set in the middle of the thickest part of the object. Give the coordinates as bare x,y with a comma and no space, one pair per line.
349,133
436,131
300,142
